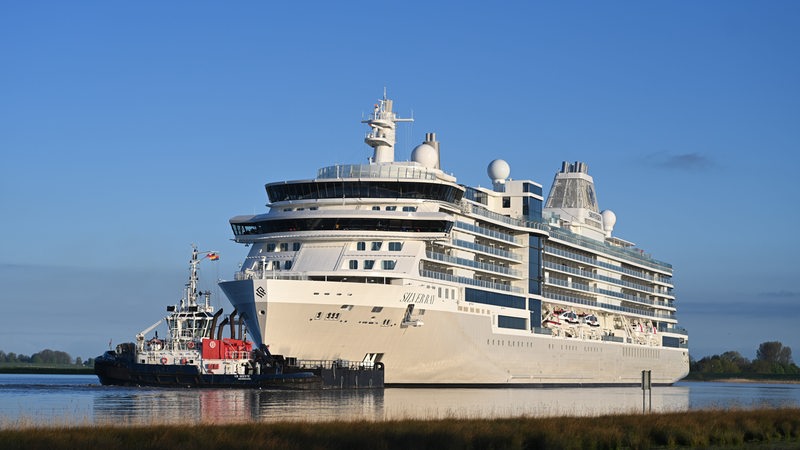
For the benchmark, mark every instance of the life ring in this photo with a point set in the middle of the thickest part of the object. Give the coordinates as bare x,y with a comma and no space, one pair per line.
184,361
212,344
163,360
190,345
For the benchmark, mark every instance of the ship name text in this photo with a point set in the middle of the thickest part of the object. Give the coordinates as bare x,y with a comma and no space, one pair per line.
416,297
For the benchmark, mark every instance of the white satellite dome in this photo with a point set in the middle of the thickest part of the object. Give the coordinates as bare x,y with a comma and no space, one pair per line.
609,220
498,171
425,155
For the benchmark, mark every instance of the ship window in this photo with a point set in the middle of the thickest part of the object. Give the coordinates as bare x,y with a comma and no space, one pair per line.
376,208
284,246
361,245
391,208
276,265
376,246
271,247
447,293
314,208
515,323
295,246
369,264
395,246
287,265
332,223
287,209
363,189
354,264
506,202
493,298
377,309
388,264
409,208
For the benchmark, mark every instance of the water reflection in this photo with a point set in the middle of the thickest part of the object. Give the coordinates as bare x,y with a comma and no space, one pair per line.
223,406
147,406
69,400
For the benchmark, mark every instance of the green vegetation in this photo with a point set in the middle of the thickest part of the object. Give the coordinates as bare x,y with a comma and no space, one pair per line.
45,361
775,428
773,362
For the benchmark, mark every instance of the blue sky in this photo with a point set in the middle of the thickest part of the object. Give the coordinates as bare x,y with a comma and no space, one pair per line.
129,130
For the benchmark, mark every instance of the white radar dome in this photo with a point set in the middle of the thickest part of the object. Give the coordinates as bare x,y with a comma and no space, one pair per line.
425,155
609,220
498,171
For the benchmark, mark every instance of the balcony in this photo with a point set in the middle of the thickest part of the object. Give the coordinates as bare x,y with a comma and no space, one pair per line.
485,267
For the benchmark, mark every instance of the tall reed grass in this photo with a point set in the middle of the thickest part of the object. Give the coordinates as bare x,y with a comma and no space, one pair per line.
776,428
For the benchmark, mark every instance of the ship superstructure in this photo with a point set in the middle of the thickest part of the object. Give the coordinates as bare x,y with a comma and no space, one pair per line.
395,262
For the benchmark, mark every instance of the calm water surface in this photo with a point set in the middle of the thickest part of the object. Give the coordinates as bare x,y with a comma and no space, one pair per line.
80,399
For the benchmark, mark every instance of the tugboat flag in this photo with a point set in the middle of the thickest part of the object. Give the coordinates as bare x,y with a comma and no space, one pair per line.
213,256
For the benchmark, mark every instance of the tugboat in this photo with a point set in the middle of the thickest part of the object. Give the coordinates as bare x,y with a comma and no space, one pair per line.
193,356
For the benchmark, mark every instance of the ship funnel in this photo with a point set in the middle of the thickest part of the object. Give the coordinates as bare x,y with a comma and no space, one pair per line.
221,328
232,323
214,323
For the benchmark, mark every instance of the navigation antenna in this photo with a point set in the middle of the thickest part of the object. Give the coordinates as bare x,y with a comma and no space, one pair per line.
382,136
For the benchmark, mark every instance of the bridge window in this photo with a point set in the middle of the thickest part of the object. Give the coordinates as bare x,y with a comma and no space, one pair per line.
352,223
281,192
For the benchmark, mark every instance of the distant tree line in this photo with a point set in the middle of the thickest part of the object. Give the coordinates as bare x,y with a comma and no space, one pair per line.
46,356
772,358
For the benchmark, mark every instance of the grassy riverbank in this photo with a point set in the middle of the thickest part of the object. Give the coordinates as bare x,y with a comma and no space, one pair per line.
765,428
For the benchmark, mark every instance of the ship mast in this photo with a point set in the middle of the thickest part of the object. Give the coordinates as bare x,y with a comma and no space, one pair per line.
382,136
190,298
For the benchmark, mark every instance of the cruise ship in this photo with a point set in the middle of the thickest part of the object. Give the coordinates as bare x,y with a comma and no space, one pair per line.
395,262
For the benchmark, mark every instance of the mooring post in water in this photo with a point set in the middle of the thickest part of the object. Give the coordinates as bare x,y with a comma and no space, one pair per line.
646,386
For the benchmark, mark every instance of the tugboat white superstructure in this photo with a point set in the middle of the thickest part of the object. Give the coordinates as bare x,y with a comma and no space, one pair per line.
395,262
191,355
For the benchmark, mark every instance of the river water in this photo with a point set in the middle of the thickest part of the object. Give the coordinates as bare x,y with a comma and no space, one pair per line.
79,399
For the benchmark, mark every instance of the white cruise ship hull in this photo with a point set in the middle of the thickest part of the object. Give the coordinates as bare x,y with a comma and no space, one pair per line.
443,342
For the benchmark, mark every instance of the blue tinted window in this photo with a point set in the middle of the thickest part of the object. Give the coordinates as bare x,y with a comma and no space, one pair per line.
493,298
515,323
534,265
